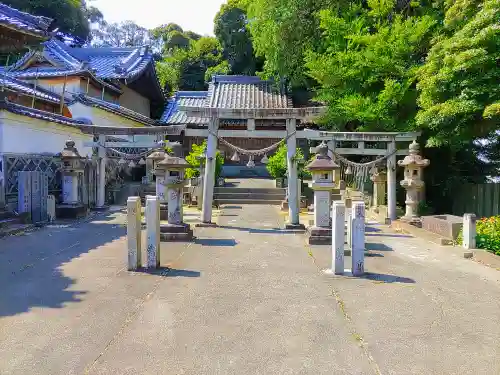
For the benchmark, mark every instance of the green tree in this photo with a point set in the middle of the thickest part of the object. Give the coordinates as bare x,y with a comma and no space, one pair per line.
124,34
70,16
232,32
460,94
194,158
368,66
277,165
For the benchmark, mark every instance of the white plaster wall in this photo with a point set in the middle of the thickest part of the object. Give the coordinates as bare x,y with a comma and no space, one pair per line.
22,135
134,101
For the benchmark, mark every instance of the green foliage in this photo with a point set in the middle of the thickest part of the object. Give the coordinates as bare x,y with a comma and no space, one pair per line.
233,35
193,159
70,16
277,165
186,68
124,34
460,95
367,68
487,234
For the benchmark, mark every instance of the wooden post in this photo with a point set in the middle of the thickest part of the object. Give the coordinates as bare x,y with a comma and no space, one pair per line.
88,84
134,233
34,90
358,238
153,231
62,95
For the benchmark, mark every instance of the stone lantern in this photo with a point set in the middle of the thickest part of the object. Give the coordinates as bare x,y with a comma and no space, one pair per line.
72,168
174,180
413,180
379,178
322,169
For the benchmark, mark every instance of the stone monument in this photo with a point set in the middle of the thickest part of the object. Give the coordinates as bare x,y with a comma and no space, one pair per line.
413,181
72,172
322,169
175,167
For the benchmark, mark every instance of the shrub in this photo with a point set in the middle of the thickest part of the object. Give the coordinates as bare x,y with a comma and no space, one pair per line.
192,158
487,234
277,165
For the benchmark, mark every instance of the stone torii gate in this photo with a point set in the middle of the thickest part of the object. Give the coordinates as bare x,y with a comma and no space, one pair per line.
291,134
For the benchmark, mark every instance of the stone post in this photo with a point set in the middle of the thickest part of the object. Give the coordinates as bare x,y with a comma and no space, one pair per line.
338,237
291,145
101,185
153,231
379,179
391,182
348,223
134,233
209,180
469,234
358,238
51,208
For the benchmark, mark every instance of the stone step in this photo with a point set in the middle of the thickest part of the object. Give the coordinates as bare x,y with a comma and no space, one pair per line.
247,201
254,196
235,190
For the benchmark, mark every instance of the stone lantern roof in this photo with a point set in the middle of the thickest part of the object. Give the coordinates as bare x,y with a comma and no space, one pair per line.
173,162
322,162
157,155
414,158
70,151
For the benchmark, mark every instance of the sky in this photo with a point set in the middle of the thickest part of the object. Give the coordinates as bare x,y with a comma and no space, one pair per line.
193,15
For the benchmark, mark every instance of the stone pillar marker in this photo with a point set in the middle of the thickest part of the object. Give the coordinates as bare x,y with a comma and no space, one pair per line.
348,223
153,231
413,182
322,169
134,233
154,158
379,179
358,238
469,234
338,237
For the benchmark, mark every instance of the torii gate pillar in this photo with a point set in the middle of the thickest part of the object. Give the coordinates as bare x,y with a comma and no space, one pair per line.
293,189
209,181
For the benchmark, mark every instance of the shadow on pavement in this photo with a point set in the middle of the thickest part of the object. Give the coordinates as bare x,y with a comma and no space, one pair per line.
387,278
377,246
169,272
30,264
388,235
369,229
257,230
215,241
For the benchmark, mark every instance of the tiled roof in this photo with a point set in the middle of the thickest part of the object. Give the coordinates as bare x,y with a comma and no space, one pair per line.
245,92
115,108
127,64
16,85
39,114
25,22
172,115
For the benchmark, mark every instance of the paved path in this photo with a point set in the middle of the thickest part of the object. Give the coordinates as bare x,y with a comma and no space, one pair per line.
245,298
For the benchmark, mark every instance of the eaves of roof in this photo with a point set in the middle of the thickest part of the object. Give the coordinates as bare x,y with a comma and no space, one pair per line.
24,22
115,109
38,114
173,116
25,88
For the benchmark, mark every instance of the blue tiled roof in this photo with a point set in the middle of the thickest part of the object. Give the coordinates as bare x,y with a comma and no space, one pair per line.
127,64
116,109
39,114
245,92
25,88
15,19
172,115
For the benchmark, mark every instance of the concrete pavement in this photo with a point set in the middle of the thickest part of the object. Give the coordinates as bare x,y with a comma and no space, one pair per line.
245,298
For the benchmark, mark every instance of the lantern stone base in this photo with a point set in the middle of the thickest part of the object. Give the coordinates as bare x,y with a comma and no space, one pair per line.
206,225
297,227
71,211
320,236
175,232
